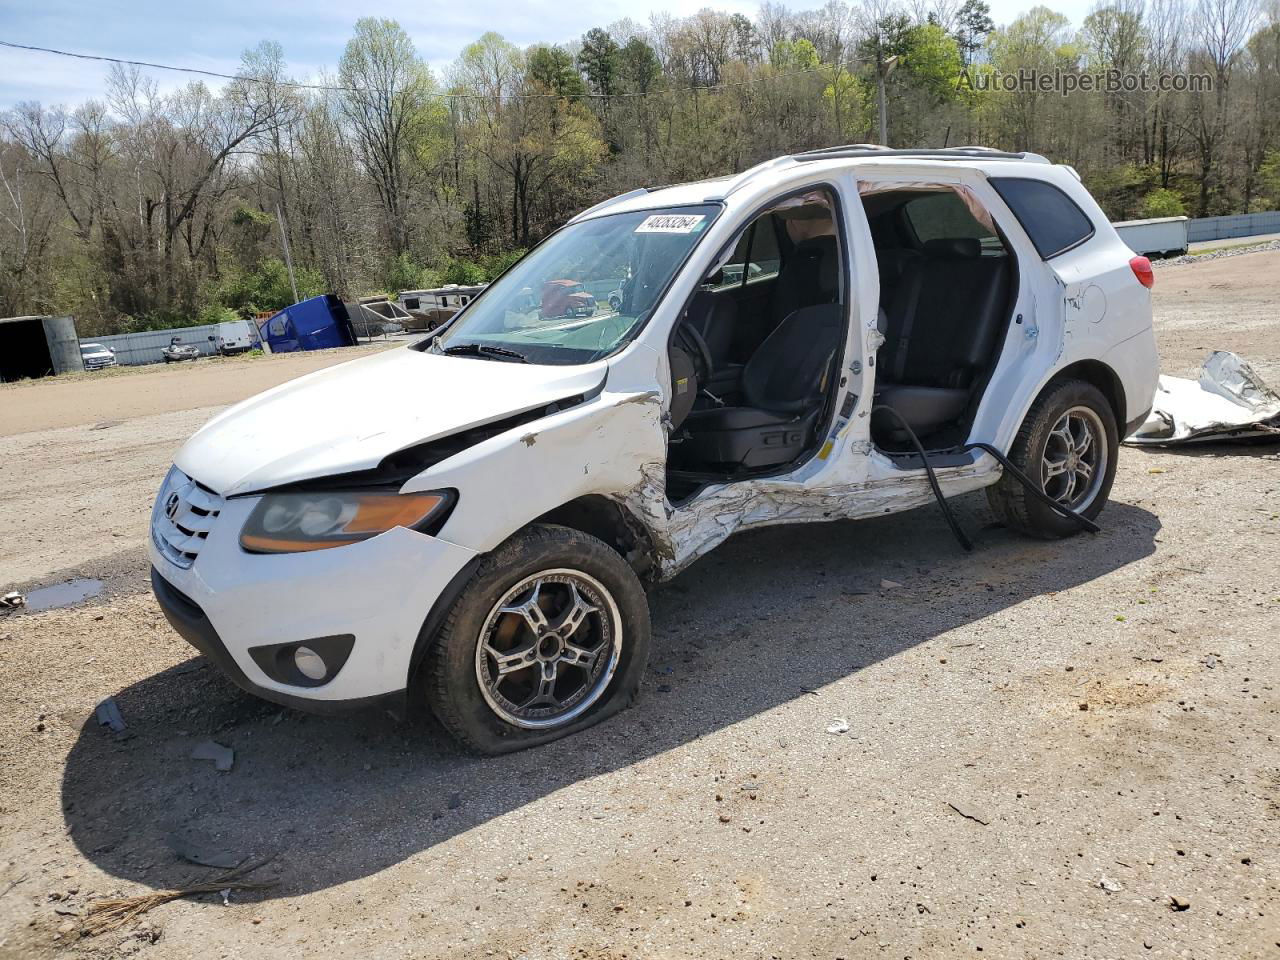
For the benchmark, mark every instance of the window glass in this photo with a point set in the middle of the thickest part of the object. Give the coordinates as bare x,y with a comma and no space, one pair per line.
558,304
729,273
765,259
1052,220
943,215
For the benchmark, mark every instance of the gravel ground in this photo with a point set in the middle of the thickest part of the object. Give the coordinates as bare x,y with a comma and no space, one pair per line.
1217,249
1047,741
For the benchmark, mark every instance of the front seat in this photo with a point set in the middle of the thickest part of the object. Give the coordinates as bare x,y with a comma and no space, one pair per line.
784,385
944,318
714,316
810,276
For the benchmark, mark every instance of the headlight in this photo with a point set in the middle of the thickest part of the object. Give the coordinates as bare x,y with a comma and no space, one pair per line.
293,522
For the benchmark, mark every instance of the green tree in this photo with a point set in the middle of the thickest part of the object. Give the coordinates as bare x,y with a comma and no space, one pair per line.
1162,202
552,69
598,60
973,24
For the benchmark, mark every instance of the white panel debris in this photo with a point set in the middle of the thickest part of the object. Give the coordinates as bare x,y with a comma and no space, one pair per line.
1229,402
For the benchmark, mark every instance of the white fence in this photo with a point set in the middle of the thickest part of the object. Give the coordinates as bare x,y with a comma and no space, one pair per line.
1236,225
135,349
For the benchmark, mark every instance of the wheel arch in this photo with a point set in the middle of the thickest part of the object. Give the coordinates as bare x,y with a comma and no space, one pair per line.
595,515
611,522
1101,376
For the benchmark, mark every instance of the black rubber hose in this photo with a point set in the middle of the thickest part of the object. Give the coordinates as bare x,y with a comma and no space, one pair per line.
933,478
1084,522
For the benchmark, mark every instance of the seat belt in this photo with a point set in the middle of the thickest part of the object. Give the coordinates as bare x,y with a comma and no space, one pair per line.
904,338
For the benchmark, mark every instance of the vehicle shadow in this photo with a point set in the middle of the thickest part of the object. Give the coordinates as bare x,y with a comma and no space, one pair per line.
766,617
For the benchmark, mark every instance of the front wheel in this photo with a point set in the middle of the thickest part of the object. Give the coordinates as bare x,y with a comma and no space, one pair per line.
1068,444
550,636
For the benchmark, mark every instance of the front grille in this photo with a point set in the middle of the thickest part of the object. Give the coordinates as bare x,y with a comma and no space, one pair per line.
184,514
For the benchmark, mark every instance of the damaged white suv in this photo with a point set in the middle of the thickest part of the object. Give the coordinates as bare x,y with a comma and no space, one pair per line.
830,335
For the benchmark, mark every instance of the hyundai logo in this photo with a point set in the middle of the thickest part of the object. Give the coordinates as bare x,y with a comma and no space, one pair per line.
171,506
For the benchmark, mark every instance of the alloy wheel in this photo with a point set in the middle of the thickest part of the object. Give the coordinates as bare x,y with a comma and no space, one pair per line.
1074,463
548,649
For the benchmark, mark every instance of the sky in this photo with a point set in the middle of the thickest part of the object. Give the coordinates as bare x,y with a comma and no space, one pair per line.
211,36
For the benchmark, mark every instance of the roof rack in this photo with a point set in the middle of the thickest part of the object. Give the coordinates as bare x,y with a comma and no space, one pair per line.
857,150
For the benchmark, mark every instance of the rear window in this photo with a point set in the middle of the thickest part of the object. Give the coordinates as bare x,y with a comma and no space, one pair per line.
1052,220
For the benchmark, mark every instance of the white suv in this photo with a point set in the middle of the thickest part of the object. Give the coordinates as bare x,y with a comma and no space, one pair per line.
843,333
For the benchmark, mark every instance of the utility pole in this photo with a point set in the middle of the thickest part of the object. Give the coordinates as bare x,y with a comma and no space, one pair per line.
288,257
883,69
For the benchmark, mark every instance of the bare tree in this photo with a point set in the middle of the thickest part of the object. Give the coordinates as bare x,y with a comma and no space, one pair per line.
387,89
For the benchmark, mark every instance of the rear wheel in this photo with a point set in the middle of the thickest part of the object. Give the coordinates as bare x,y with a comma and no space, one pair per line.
550,636
1068,444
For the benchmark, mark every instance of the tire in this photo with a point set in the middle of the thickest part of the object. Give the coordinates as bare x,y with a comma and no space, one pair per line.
1041,445
596,667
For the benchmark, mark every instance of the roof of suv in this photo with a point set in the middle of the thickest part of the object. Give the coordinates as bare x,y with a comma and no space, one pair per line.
863,154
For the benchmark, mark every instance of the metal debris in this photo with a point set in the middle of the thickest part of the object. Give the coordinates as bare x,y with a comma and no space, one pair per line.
222,757
108,715
1229,402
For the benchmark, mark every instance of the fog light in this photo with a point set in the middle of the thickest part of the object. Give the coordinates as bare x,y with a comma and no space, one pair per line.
309,663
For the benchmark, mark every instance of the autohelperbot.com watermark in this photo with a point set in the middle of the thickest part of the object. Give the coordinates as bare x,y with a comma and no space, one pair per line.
1067,82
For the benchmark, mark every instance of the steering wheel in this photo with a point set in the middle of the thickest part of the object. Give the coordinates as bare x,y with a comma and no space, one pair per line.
701,352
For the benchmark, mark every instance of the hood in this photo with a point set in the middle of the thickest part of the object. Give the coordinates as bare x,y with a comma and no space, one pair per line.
349,417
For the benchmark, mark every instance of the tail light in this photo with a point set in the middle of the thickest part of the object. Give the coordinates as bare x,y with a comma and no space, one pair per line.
1141,267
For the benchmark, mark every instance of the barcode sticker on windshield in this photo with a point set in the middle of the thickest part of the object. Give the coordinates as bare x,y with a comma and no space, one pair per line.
671,223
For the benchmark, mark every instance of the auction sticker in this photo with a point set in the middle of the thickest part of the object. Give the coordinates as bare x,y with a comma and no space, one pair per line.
672,223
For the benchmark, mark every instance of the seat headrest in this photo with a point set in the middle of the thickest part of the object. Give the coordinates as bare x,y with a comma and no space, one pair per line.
953,248
826,251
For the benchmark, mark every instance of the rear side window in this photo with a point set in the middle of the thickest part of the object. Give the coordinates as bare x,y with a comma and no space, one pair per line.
943,216
1052,220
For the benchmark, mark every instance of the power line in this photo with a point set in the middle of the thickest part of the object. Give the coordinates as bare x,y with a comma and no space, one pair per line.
163,66
444,96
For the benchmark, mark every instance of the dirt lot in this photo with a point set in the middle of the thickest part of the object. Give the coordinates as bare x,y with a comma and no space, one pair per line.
1102,712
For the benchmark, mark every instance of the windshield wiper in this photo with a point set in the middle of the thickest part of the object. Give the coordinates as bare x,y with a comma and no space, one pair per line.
485,350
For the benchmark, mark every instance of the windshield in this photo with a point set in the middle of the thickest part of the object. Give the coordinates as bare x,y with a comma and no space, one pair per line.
584,292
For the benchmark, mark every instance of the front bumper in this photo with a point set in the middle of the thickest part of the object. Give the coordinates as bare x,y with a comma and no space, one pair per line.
380,591
186,617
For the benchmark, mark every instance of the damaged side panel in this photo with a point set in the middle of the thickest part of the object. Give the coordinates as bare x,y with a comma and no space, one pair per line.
719,512
597,448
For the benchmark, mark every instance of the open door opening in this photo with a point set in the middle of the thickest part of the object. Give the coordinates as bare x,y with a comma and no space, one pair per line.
755,353
948,286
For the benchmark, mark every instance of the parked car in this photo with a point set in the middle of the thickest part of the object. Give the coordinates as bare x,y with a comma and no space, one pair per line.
485,544
566,298
177,351
96,356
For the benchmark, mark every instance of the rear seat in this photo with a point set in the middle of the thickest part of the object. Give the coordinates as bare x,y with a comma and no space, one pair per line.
944,315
